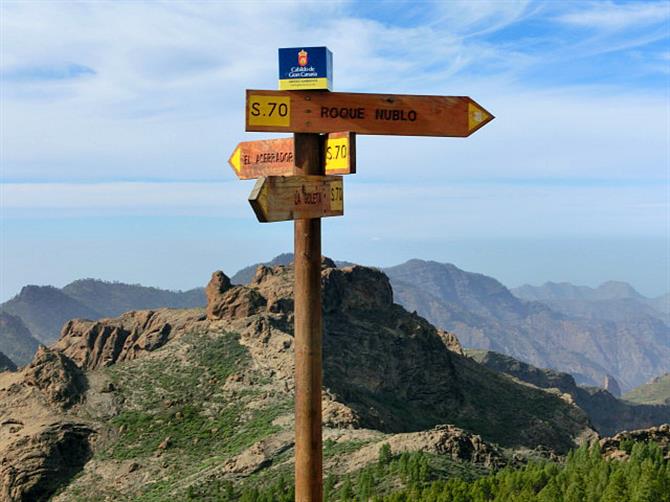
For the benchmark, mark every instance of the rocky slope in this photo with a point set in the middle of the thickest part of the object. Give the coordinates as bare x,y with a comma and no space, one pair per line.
608,414
16,342
159,404
486,315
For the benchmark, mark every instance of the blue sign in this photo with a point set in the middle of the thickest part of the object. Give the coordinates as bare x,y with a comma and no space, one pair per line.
303,68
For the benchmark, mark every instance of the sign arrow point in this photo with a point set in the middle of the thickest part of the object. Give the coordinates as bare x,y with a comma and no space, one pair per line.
477,116
235,161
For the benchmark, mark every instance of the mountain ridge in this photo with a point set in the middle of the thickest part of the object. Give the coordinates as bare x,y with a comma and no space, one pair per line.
200,396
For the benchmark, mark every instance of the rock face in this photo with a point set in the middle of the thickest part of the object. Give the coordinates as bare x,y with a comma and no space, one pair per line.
56,376
451,341
41,444
612,386
95,344
37,466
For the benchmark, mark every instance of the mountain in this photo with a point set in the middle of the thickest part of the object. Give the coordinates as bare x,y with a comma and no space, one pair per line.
16,342
6,364
608,414
657,391
611,301
44,310
191,404
484,314
114,298
245,275
610,290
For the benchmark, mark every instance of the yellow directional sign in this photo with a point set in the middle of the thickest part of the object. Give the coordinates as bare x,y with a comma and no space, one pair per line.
276,157
281,198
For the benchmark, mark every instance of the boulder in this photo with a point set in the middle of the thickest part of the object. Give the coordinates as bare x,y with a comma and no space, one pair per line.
60,380
34,467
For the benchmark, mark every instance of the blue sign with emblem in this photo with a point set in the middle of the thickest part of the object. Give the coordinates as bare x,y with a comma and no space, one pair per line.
302,68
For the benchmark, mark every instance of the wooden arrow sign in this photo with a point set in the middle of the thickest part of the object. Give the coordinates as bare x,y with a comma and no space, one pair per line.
395,114
281,198
276,157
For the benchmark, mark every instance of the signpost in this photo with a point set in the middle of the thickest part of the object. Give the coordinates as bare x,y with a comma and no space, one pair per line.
391,114
292,186
276,157
281,198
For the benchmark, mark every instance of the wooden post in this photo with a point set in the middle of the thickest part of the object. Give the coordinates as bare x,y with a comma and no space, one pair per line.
308,332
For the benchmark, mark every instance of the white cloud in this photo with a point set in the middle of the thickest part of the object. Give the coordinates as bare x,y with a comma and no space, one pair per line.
617,16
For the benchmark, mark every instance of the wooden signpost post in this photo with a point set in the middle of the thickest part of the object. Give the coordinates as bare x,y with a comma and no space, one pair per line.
293,185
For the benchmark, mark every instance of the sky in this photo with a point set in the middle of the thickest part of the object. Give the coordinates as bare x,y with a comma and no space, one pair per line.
117,120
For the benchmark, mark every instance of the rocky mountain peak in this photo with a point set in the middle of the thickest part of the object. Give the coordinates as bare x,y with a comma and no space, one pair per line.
355,288
612,386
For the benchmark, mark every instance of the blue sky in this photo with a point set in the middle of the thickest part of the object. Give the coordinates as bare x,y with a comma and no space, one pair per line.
117,120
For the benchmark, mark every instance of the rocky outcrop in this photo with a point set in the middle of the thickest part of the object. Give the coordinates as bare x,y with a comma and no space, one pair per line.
36,466
612,386
95,344
355,289
42,443
616,448
451,341
441,440
225,301
61,382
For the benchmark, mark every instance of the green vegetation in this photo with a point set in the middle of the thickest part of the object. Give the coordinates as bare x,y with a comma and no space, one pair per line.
175,408
585,477
654,392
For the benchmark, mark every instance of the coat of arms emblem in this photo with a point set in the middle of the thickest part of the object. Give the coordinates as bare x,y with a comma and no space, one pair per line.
302,58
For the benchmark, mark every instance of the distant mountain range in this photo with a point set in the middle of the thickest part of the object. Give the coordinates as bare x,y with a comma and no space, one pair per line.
485,314
587,332
37,314
611,301
16,342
